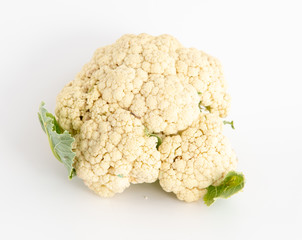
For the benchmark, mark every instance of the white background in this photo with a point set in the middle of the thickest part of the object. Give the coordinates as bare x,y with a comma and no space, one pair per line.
43,45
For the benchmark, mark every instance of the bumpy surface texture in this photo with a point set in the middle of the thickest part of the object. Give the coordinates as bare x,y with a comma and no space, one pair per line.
141,81
155,78
113,151
200,156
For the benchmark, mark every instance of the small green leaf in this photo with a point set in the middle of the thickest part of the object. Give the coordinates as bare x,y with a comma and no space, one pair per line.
60,140
231,123
204,108
120,175
159,140
232,183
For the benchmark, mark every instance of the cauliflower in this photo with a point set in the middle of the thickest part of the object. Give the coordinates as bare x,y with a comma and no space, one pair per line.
135,114
196,158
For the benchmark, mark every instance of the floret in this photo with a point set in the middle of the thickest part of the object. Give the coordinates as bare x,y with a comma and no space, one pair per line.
198,157
113,151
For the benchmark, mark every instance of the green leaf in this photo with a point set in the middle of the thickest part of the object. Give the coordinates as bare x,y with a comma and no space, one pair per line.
204,108
60,140
149,134
230,123
232,183
41,122
159,140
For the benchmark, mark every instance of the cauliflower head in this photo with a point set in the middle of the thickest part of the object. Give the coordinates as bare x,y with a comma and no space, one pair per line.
142,88
198,157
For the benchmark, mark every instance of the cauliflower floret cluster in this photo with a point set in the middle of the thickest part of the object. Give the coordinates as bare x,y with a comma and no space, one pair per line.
144,82
196,158
113,151
155,78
